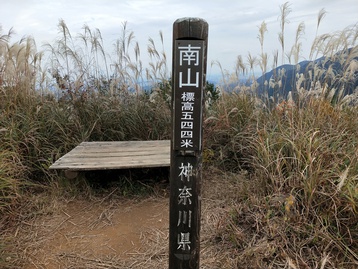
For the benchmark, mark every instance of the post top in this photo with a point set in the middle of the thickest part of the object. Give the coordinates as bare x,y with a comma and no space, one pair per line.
190,19
190,28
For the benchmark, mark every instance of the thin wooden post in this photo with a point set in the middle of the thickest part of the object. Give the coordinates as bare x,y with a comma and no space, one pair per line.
190,37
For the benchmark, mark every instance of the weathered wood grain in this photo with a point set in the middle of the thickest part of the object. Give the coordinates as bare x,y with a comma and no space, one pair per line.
115,155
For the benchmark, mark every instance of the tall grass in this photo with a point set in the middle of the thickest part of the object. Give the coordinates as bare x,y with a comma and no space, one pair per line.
11,172
49,105
299,205
303,200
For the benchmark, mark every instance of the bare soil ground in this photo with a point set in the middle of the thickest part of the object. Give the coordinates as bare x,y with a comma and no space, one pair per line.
114,232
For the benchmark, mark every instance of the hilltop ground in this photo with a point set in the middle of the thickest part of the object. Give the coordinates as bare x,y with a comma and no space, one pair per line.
110,231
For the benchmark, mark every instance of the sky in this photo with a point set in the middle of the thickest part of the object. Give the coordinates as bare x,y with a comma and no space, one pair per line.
233,24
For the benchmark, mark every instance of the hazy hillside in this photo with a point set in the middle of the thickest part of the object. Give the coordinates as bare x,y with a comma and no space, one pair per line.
329,71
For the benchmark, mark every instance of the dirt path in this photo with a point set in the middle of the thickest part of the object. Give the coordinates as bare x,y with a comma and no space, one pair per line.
112,232
96,234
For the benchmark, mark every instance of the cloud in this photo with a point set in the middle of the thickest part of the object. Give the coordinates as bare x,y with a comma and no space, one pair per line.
233,25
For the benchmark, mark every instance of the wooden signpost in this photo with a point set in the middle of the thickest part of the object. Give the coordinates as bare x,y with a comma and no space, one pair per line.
190,37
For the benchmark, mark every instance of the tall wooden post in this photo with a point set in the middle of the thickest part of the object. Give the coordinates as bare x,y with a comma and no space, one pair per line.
190,37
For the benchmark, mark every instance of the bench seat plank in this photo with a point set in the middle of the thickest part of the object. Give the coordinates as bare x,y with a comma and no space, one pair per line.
115,155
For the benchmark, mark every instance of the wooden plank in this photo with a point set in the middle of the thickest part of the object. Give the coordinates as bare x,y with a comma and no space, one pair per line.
106,163
103,157
118,150
115,155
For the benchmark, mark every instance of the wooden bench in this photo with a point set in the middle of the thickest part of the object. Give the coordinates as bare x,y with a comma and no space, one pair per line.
114,155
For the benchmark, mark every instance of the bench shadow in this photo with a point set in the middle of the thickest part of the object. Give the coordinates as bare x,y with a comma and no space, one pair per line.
129,181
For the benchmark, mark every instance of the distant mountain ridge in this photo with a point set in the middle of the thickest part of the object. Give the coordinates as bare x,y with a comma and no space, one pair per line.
332,71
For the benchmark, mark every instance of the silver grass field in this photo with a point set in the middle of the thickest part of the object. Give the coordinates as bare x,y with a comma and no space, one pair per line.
280,174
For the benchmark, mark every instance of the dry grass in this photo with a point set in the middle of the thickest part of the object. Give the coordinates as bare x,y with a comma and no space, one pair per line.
296,212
